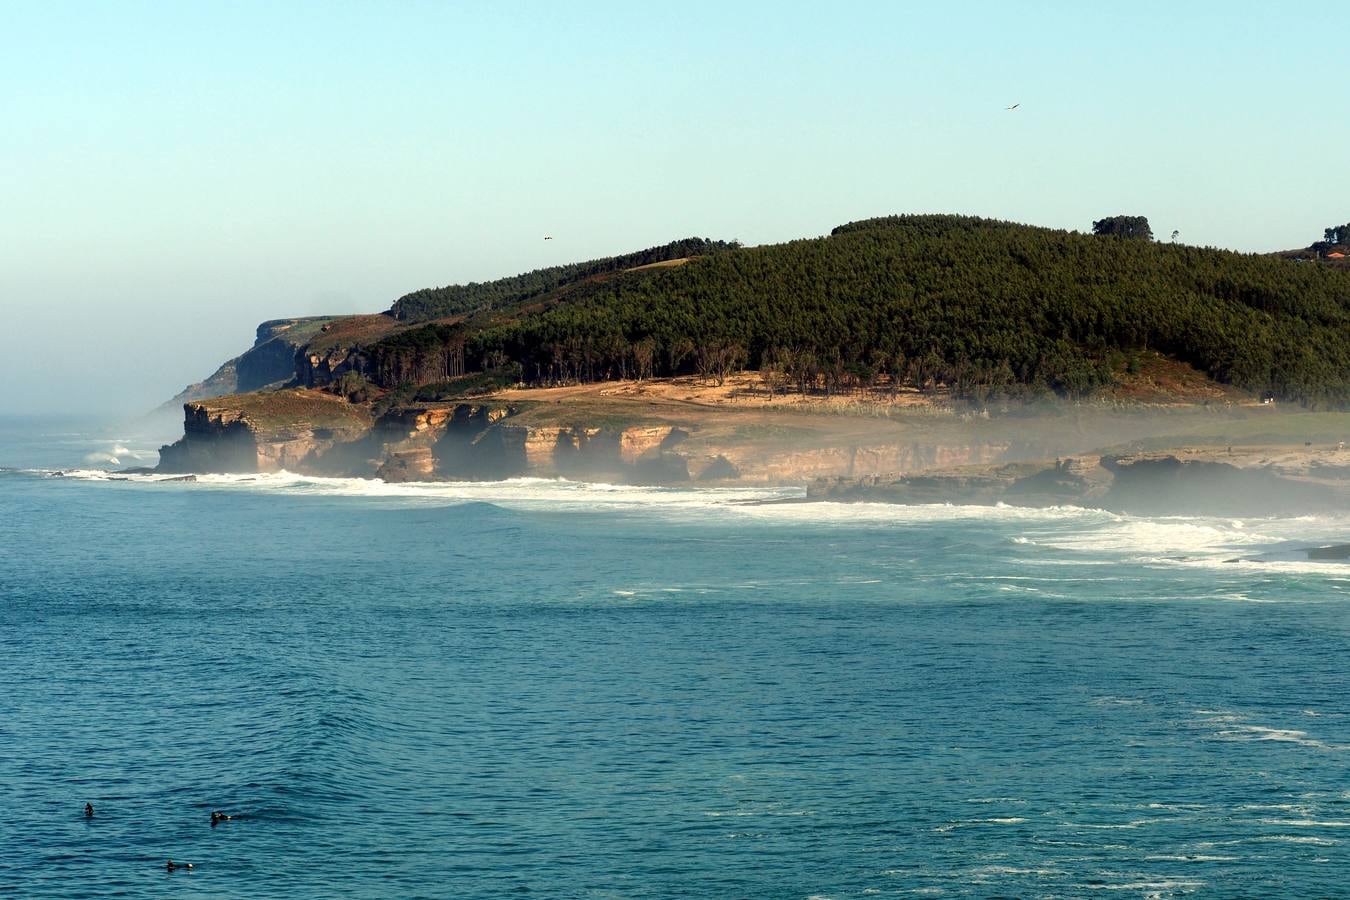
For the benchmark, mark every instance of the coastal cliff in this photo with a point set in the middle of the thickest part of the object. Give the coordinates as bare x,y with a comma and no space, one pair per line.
683,431
311,431
1251,481
262,432
272,360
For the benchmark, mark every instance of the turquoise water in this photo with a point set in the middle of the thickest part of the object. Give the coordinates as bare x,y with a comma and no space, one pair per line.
551,689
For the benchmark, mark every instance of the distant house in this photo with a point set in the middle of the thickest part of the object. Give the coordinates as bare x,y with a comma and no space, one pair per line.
1335,254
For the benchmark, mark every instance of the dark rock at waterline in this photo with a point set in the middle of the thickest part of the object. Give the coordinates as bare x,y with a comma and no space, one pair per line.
661,468
1335,551
720,469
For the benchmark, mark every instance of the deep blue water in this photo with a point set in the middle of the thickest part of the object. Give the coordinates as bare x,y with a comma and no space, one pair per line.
549,689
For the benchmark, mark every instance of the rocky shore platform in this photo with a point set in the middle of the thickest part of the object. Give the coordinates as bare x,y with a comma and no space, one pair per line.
1237,481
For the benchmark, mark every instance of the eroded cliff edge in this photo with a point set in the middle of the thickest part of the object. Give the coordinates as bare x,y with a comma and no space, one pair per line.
311,431
924,456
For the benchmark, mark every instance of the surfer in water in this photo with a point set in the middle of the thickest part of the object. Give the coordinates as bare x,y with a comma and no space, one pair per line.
171,865
217,817
89,810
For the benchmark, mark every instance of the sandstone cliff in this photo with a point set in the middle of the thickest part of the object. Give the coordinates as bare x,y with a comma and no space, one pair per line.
262,432
312,431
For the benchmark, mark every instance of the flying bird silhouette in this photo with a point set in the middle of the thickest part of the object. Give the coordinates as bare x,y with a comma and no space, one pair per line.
548,237
1014,106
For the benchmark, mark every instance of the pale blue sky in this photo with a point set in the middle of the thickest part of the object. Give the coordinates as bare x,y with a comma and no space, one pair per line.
173,173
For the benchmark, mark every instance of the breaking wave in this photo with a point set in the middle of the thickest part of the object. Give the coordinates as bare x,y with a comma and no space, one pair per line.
1047,536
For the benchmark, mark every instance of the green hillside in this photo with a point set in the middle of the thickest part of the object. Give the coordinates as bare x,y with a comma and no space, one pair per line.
979,305
458,299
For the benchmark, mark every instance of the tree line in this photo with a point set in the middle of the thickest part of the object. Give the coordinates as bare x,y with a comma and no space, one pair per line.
977,305
458,299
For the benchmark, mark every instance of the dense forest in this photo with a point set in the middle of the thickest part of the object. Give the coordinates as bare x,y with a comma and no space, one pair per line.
458,299
977,305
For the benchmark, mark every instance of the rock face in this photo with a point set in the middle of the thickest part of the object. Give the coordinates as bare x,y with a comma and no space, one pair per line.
408,465
483,442
221,443
310,431
271,360
262,432
1145,484
1160,484
314,432
861,461
321,434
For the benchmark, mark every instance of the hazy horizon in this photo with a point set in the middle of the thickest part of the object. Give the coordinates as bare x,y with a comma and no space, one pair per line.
178,175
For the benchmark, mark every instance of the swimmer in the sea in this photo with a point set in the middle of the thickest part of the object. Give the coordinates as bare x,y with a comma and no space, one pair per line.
89,810
171,865
217,817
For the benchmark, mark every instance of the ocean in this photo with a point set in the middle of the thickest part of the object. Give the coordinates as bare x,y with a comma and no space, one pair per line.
554,689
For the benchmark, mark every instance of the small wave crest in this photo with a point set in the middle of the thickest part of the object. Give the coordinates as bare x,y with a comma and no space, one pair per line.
1050,536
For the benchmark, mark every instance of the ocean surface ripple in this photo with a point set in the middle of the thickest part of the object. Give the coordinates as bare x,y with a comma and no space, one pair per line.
553,689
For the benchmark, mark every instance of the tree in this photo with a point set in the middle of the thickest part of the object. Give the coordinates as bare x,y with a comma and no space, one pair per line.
644,356
353,386
1338,234
1130,227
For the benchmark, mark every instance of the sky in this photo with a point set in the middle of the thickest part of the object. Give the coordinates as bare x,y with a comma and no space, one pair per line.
171,174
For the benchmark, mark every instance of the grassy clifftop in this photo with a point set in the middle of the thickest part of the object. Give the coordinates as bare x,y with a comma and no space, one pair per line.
281,410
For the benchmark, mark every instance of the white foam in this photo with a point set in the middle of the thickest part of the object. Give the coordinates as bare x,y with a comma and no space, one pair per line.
1233,727
1285,807
1061,536
1264,733
105,475
1163,536
1287,839
1108,827
969,823
102,457
1155,888
1202,541
1014,870
556,492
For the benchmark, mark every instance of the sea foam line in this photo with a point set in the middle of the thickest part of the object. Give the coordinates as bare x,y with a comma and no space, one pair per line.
1085,535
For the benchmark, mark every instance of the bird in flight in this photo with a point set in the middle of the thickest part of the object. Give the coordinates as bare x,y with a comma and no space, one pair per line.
1014,106
548,237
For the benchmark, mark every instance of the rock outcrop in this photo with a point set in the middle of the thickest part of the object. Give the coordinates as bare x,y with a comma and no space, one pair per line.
262,432
315,432
1250,482
270,361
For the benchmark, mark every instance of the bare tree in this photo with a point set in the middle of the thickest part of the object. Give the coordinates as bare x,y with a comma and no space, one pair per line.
644,356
